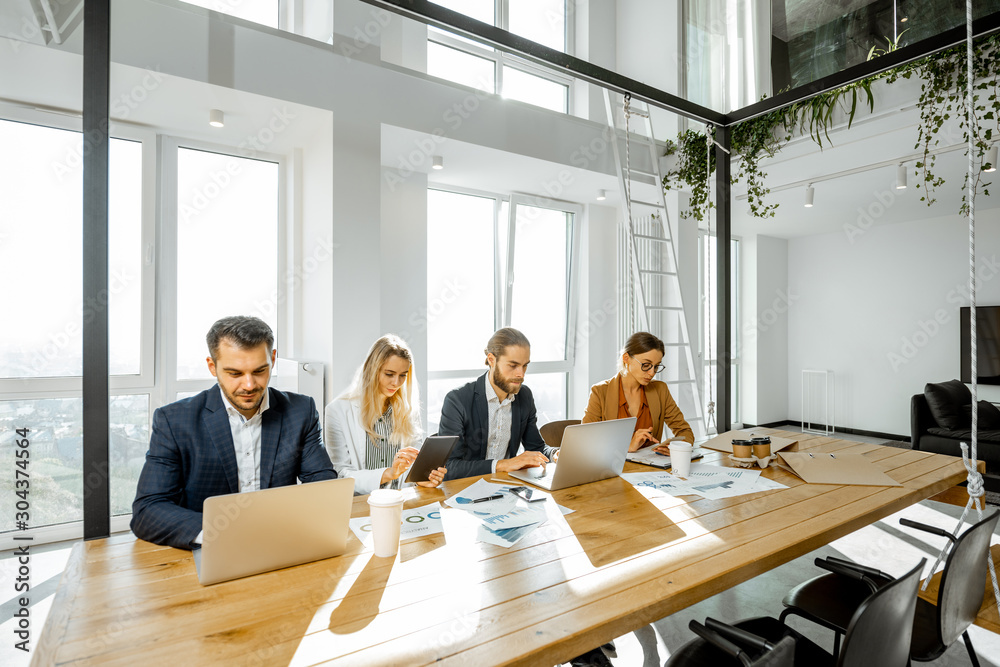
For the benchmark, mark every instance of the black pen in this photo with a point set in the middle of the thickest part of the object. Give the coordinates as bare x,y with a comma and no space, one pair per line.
483,500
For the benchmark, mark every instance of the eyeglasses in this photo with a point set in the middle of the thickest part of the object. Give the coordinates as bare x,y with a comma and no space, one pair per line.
645,366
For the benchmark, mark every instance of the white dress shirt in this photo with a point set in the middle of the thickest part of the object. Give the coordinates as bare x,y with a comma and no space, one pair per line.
246,442
500,419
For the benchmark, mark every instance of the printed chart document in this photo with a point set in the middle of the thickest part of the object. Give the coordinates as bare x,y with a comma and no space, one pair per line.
707,481
416,522
502,521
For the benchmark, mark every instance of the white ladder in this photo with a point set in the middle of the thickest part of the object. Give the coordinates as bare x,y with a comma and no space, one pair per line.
650,267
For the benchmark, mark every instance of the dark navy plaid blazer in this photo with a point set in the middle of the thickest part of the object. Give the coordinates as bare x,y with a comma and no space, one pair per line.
191,457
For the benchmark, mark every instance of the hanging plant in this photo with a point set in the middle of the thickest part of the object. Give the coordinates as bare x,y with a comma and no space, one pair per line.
942,95
944,80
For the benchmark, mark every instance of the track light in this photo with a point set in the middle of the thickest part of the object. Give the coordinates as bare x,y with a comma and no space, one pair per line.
810,193
216,118
601,195
991,158
437,162
901,177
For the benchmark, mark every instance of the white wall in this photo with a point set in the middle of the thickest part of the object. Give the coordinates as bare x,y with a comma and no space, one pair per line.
763,314
882,313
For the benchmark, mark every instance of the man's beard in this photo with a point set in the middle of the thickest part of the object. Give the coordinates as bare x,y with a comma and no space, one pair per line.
505,384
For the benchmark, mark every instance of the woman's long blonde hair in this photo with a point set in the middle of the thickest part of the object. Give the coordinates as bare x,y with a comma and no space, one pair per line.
405,402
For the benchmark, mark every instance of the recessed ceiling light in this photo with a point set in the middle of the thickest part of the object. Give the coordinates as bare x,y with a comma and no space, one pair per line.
216,118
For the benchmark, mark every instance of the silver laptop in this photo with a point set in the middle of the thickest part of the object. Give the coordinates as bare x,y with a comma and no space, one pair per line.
260,531
589,453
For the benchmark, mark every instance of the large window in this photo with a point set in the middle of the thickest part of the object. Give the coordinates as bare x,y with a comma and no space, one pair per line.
217,255
497,261
484,68
41,214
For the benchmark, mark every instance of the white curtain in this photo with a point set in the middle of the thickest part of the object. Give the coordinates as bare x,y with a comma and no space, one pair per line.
727,52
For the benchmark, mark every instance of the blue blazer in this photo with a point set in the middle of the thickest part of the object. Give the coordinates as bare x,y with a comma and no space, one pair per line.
466,415
192,457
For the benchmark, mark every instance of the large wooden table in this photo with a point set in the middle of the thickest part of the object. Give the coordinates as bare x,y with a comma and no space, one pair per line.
617,563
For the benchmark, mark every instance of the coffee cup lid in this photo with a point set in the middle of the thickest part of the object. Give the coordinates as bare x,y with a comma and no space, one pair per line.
680,445
741,442
385,497
760,441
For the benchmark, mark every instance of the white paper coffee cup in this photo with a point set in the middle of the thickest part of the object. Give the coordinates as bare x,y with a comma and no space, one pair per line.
386,509
680,458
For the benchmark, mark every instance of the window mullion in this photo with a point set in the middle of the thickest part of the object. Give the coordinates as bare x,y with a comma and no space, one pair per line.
509,273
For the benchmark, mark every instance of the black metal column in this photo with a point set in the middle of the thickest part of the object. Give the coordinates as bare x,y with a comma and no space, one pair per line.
96,142
723,263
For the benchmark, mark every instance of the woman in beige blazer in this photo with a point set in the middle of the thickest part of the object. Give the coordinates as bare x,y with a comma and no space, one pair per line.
634,393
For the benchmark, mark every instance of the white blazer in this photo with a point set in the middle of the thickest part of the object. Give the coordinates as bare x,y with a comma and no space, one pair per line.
346,442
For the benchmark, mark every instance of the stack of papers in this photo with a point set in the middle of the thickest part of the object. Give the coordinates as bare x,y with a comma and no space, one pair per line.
503,521
707,481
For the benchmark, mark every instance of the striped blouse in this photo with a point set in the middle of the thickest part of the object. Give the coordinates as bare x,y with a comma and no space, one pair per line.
379,454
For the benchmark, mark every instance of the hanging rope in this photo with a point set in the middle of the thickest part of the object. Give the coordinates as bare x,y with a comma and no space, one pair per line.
974,481
709,142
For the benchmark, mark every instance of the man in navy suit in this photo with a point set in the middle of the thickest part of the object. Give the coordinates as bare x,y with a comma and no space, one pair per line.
236,437
490,423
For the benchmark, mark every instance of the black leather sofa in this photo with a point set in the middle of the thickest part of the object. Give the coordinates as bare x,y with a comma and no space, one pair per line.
926,434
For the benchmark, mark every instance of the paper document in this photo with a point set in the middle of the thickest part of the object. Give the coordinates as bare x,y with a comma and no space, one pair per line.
416,522
647,456
707,481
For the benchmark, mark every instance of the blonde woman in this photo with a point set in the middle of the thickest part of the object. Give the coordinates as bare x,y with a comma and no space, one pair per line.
373,429
634,392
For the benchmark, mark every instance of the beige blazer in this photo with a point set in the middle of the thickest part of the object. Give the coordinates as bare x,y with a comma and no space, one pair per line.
603,405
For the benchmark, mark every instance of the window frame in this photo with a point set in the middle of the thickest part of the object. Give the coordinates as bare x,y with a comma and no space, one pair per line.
167,306
69,384
501,59
503,299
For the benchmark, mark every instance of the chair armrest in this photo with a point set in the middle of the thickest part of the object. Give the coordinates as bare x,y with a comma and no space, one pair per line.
846,568
864,569
739,635
727,639
933,530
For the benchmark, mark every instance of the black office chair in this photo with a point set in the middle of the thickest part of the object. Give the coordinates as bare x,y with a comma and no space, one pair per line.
877,634
739,645
829,599
552,432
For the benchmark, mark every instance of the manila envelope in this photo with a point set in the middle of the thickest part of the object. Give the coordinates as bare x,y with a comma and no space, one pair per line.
724,442
826,468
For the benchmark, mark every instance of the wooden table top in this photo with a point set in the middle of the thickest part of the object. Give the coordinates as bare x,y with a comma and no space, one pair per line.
617,563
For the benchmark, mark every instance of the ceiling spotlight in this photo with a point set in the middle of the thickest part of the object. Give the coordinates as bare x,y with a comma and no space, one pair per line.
810,193
901,177
216,118
601,195
991,158
904,19
437,162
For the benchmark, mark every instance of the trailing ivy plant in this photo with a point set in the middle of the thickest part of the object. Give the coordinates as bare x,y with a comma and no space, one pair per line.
942,95
944,81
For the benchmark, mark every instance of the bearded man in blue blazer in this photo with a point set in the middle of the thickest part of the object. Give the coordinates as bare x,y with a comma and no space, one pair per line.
236,437
495,415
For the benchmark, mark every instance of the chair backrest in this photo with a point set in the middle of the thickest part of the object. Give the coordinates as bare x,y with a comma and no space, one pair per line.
964,580
552,432
880,630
